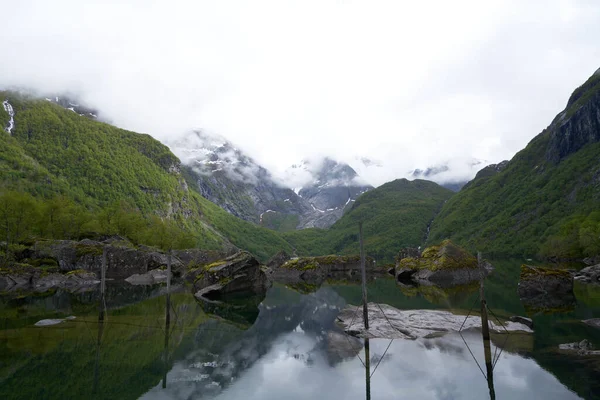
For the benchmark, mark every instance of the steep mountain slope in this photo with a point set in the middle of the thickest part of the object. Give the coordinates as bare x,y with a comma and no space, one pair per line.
395,215
226,176
52,151
544,195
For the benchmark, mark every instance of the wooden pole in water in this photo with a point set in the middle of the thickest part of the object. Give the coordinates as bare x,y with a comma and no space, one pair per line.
364,277
167,321
103,273
367,369
485,331
101,312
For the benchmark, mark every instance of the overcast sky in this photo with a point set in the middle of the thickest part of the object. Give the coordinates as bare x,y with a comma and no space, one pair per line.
411,84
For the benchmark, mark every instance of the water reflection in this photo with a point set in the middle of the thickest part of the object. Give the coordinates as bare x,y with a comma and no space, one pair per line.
295,351
165,345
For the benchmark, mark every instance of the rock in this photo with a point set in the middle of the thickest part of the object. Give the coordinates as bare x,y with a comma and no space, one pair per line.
545,289
278,260
523,320
193,258
149,278
51,322
391,323
409,252
341,346
316,269
238,273
70,280
591,260
444,265
123,259
588,274
594,322
583,348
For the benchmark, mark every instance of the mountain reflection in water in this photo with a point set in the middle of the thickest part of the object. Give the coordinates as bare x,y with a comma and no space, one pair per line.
292,352
287,345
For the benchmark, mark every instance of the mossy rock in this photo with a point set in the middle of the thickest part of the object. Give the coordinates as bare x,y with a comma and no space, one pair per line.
88,249
531,272
445,256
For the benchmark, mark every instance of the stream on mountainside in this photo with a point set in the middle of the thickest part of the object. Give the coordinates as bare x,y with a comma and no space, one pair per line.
143,343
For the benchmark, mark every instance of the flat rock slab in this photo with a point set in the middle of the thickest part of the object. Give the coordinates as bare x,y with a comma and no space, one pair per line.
51,322
413,324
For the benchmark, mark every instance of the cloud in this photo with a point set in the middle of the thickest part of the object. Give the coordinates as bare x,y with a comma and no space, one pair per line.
411,84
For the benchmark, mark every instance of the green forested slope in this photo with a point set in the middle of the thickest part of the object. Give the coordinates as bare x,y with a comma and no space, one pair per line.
394,215
542,201
58,160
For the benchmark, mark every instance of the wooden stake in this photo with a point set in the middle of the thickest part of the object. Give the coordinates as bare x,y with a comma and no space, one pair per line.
485,331
364,278
367,369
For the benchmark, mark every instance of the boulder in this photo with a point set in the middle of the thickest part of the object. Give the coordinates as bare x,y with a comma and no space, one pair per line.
123,259
390,323
545,289
238,273
444,265
588,274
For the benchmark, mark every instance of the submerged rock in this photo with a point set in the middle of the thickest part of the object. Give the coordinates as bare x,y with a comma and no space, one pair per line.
238,273
341,346
444,265
388,322
594,322
583,348
545,289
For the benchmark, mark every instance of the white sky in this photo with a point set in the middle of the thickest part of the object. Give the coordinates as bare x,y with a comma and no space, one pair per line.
410,84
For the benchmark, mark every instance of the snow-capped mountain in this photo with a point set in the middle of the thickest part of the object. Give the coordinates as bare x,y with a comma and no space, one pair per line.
228,177
328,186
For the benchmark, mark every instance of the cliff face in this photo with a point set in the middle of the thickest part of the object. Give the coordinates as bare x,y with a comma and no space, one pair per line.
520,206
579,124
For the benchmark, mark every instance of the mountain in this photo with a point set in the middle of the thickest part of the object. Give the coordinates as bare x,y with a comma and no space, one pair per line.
453,174
104,180
328,186
395,215
231,179
545,200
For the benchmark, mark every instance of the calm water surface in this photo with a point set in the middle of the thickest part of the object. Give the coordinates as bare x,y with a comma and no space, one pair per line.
285,346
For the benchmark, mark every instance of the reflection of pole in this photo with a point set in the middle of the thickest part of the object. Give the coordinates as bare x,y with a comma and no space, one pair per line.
364,278
100,320
367,369
485,332
167,322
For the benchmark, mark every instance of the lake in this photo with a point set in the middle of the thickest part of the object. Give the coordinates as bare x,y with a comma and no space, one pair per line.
284,346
